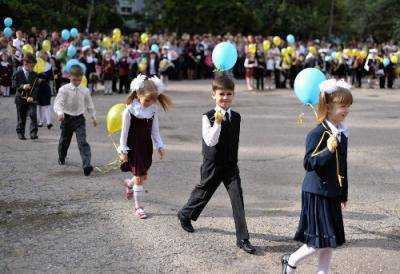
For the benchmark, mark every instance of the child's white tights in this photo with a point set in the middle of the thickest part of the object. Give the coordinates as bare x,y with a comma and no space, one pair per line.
325,255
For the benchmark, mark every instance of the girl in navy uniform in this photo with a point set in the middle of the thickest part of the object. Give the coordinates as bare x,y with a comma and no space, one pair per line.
140,129
324,190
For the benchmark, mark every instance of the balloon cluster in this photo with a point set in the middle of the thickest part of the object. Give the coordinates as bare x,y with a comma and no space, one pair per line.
7,30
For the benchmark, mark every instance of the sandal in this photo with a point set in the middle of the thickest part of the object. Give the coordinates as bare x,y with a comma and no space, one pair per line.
140,213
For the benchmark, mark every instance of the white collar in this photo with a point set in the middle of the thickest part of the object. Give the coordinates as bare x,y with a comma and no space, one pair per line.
4,64
223,111
341,128
139,111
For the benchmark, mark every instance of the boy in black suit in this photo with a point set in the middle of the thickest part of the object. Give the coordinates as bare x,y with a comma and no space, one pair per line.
24,82
221,129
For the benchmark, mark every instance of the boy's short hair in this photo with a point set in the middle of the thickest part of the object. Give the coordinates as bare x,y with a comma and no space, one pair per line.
222,82
76,71
29,59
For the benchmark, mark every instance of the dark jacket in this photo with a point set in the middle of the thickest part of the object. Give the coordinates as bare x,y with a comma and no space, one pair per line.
19,80
321,165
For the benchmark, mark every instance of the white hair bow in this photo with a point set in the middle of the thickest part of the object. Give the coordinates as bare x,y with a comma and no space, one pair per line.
137,83
332,85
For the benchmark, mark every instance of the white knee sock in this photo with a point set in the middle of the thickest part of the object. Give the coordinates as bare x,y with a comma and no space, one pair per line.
300,254
325,256
138,195
47,115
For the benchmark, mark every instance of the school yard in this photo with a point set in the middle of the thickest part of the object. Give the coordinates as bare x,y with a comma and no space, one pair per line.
55,220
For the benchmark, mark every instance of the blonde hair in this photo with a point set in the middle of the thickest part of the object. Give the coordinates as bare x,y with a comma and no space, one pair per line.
341,96
149,91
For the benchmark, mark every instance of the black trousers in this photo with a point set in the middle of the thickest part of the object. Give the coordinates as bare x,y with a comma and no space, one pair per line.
211,178
124,84
70,125
24,110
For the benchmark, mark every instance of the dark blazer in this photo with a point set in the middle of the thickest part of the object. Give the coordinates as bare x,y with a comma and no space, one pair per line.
156,65
19,79
321,165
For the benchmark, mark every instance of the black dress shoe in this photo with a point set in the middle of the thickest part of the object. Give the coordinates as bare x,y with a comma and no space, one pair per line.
285,263
185,223
21,137
49,126
246,246
61,161
87,170
34,137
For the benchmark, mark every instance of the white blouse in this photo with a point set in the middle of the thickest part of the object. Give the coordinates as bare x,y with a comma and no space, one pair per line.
140,112
337,130
211,133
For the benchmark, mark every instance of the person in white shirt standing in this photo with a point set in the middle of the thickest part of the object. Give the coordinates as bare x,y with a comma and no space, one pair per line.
70,104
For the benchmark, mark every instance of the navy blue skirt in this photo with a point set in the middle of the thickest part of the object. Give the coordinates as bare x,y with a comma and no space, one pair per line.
321,221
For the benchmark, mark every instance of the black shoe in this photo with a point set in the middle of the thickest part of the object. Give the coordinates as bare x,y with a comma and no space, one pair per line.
61,162
34,137
21,137
185,223
246,246
49,126
285,263
87,170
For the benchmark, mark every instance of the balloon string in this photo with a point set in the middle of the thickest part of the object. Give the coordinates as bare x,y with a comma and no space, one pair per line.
313,109
112,140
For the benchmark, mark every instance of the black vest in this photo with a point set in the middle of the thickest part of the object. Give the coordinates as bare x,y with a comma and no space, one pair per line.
225,152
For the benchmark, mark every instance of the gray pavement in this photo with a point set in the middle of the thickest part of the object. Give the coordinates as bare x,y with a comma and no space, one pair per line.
55,220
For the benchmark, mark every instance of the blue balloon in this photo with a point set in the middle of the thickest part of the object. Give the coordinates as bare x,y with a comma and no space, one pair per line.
155,48
290,39
224,56
386,62
7,32
74,32
8,22
65,34
74,62
85,43
334,55
306,85
71,51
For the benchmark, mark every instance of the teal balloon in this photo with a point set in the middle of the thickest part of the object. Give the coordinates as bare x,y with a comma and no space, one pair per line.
224,56
333,55
74,32
290,39
7,32
306,85
155,48
386,62
65,34
85,43
8,22
74,62
71,51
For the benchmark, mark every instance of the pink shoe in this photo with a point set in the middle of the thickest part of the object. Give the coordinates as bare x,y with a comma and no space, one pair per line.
128,189
140,213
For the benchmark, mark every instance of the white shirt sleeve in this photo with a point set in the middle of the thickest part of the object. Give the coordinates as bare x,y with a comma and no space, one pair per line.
59,102
210,133
126,123
155,133
89,104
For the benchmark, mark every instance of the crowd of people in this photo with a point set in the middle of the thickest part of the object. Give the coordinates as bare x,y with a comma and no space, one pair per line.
265,62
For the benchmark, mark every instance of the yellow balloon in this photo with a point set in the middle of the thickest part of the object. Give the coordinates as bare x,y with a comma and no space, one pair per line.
363,54
40,66
27,49
312,50
252,48
284,51
144,38
394,59
346,52
277,40
338,55
84,81
142,65
116,38
46,45
107,42
290,50
114,118
266,45
117,32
